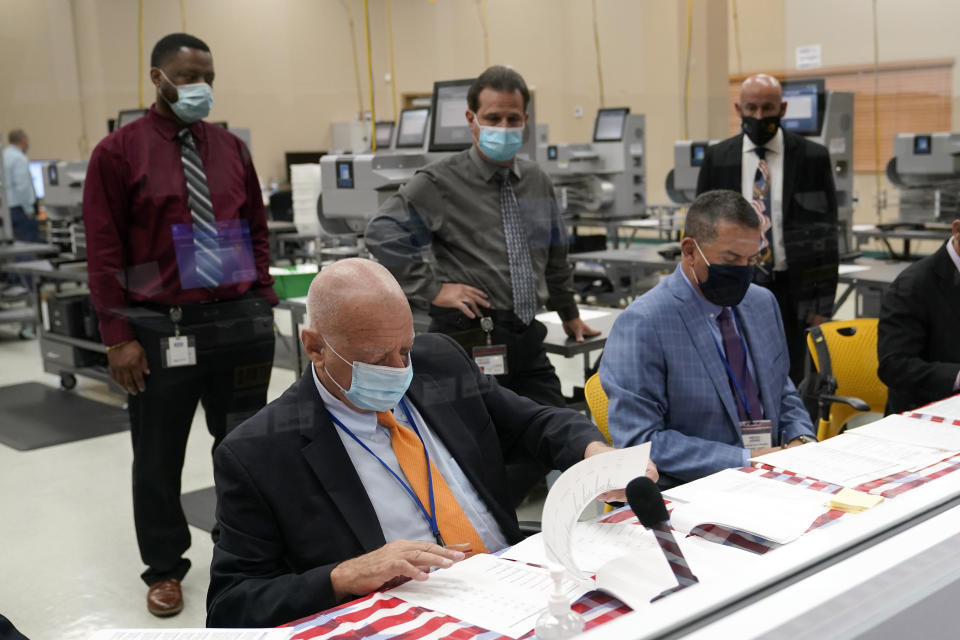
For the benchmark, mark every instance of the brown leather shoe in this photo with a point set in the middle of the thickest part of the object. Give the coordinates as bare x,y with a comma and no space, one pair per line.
164,598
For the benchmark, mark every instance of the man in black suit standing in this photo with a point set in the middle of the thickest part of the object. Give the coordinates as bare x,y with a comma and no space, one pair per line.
789,181
382,461
917,343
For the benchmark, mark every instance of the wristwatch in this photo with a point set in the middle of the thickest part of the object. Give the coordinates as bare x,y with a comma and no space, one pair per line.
805,439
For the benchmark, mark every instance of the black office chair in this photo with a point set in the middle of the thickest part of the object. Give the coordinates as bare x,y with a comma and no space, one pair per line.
281,205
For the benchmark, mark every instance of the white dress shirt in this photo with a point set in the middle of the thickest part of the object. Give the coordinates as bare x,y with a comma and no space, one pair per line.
748,173
400,517
16,169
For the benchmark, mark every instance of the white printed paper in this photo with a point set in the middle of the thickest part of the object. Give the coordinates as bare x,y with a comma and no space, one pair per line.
639,577
850,459
497,594
594,544
774,510
948,408
897,428
577,487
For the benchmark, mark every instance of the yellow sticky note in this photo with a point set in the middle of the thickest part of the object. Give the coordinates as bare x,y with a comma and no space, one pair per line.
854,501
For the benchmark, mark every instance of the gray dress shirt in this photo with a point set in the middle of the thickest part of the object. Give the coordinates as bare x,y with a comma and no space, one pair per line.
400,517
444,225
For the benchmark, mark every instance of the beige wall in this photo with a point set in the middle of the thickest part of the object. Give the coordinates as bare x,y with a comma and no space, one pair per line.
284,67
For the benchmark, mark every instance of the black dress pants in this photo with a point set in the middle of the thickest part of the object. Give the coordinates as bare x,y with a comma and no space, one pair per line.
794,327
529,374
234,347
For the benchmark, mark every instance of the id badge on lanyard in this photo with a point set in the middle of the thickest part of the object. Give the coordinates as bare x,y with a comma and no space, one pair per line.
492,358
756,434
178,350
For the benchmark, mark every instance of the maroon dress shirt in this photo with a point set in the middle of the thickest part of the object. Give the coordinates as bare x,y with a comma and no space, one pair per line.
133,195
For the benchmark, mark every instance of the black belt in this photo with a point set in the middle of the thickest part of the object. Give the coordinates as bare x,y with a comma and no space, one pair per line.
505,319
247,305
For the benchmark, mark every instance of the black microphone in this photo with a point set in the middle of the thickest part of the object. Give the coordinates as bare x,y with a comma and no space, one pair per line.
647,504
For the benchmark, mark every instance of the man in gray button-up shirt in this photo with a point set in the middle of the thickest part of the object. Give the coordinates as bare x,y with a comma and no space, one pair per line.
442,235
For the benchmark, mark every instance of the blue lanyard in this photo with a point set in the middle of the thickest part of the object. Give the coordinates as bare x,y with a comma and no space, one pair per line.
733,378
431,517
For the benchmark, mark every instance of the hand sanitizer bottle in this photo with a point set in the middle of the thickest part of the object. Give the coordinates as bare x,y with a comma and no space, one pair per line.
559,621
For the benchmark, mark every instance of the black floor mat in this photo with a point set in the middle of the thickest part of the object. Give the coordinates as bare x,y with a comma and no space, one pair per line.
200,507
33,415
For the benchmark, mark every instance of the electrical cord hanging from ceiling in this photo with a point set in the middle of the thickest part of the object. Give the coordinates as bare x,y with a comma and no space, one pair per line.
482,10
686,73
596,44
876,111
373,113
736,35
393,71
356,62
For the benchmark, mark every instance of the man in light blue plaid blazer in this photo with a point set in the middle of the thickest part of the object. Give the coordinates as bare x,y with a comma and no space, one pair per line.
662,367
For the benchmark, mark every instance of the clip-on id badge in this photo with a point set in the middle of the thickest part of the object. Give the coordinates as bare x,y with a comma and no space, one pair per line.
757,434
178,350
492,358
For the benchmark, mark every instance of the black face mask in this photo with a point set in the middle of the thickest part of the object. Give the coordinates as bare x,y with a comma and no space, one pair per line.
726,285
760,130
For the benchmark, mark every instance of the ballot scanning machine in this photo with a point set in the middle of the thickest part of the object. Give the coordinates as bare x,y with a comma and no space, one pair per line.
353,186
63,201
604,179
926,170
822,115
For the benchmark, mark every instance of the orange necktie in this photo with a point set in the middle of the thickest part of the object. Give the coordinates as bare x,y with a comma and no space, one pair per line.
453,523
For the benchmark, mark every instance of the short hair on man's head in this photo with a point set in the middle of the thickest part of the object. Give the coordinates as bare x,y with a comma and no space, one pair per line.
16,136
169,45
713,206
498,78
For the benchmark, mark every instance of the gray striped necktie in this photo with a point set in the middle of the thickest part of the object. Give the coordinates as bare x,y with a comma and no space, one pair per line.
518,251
208,263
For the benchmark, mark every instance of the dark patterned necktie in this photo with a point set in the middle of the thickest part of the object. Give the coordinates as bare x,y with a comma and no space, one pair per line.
208,263
737,359
761,202
523,281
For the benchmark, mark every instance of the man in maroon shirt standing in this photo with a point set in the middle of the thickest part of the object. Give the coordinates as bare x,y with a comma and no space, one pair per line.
178,260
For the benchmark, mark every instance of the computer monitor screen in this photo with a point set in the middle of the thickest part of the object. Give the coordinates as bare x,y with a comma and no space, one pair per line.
36,174
697,151
413,128
344,174
610,124
806,101
449,130
384,134
923,145
129,115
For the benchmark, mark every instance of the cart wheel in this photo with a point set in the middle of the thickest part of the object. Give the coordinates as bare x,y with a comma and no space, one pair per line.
68,381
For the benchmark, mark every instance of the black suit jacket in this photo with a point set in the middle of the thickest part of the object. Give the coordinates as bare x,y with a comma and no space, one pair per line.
809,214
918,344
291,505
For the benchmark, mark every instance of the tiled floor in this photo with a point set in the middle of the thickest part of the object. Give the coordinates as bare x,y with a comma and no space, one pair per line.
69,562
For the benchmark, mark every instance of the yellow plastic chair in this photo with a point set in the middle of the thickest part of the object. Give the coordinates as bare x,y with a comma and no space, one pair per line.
844,354
597,402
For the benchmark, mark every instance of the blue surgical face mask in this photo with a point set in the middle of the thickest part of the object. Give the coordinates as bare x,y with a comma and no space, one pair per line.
374,387
726,284
500,143
194,101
